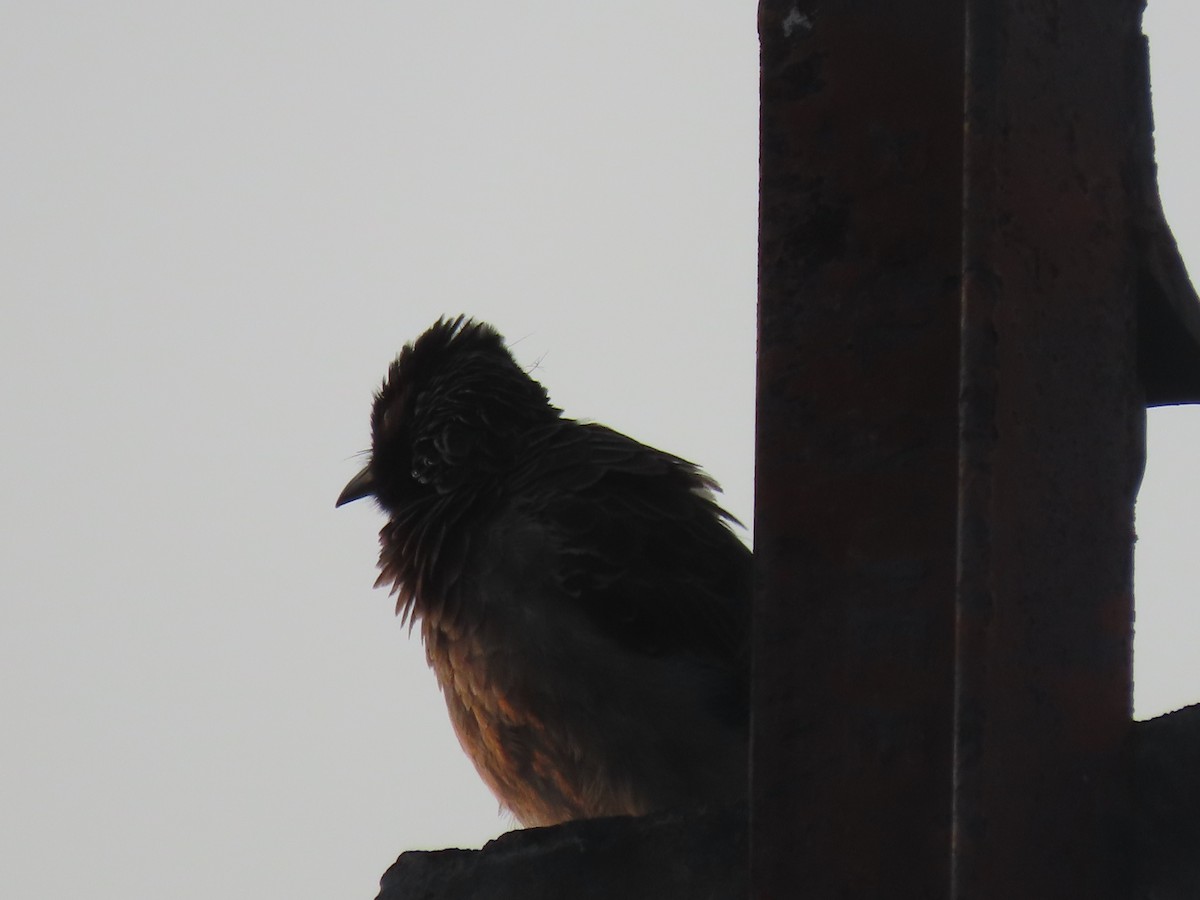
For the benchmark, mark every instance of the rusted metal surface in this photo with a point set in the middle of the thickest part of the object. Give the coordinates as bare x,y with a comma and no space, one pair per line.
1168,309
1053,440
1168,324
944,552
861,141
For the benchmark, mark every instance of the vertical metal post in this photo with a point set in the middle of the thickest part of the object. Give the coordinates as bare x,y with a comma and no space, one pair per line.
1052,443
859,268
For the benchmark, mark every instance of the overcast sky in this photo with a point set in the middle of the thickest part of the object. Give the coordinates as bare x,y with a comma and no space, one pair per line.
220,222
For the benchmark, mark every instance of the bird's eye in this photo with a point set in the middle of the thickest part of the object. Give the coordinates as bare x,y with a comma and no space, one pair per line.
421,469
423,462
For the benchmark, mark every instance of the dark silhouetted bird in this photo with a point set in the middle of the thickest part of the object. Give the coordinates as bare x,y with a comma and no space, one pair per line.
582,599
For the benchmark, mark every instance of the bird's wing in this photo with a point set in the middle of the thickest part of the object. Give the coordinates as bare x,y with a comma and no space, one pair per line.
642,545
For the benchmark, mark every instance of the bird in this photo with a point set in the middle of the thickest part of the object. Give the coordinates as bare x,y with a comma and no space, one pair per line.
583,599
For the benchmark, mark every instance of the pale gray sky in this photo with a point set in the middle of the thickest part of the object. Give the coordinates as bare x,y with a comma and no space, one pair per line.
220,222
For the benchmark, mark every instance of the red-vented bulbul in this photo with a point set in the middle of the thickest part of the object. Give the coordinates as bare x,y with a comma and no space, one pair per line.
582,599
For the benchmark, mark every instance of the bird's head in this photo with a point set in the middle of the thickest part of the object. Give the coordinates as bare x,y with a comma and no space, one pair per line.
450,414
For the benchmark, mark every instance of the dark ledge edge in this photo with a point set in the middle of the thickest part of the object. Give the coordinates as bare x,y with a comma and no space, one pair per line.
703,856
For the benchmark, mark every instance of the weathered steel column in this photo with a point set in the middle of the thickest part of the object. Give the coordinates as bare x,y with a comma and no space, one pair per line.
1052,449
859,268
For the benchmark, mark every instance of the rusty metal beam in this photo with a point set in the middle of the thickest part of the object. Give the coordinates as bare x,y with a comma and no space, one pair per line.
944,518
860,249
1052,448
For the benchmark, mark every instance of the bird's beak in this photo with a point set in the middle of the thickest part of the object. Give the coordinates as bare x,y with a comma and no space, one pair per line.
361,485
